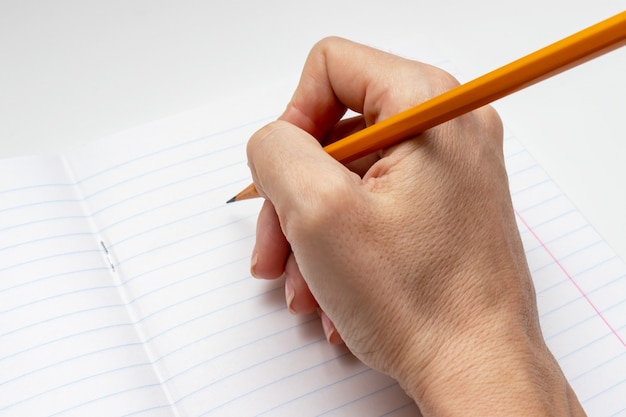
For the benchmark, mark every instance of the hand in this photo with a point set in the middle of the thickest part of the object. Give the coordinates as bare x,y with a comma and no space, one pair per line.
411,254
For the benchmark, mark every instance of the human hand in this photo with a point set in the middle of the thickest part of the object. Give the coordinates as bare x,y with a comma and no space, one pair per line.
411,254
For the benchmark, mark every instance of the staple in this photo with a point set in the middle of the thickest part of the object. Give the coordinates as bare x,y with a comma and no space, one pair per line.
108,255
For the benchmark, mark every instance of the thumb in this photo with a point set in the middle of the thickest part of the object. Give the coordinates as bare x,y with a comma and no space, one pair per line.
290,168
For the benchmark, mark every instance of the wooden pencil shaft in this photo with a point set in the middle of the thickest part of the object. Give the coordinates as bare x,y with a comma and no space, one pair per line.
540,65
560,56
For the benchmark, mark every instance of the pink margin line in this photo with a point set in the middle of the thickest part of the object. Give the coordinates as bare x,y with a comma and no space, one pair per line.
580,290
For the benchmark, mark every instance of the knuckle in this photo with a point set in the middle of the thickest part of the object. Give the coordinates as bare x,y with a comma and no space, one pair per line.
492,123
262,147
323,209
261,138
441,81
263,152
329,42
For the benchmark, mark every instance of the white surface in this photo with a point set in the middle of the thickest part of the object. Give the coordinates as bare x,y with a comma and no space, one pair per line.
73,71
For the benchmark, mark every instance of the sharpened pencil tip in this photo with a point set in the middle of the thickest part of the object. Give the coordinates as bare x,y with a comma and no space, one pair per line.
248,192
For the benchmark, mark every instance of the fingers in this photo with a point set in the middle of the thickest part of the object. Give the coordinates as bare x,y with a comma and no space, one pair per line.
301,301
336,76
330,331
290,169
297,294
271,257
301,183
340,74
271,248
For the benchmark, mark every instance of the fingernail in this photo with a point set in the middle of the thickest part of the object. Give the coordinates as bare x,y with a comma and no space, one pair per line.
329,329
289,295
254,259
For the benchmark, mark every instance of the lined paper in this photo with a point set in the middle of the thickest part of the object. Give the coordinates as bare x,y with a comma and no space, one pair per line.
65,332
179,328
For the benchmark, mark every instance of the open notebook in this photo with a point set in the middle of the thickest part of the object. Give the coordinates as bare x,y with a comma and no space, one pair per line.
125,291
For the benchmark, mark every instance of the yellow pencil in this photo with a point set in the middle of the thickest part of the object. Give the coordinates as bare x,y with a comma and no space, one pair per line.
580,47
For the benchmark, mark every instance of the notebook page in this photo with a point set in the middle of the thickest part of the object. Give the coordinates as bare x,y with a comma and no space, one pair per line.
223,343
65,333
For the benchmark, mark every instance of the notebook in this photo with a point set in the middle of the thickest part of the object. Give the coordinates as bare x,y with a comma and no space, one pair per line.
125,286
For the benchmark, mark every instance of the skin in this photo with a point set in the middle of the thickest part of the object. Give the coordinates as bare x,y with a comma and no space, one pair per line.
411,255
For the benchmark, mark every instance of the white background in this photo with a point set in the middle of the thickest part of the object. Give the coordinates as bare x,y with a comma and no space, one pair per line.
74,71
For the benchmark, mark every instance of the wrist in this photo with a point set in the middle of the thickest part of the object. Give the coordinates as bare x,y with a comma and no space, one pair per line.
474,375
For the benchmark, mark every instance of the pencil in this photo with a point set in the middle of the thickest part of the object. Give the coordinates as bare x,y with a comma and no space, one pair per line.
560,56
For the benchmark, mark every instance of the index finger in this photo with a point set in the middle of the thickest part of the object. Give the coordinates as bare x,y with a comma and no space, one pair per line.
340,75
